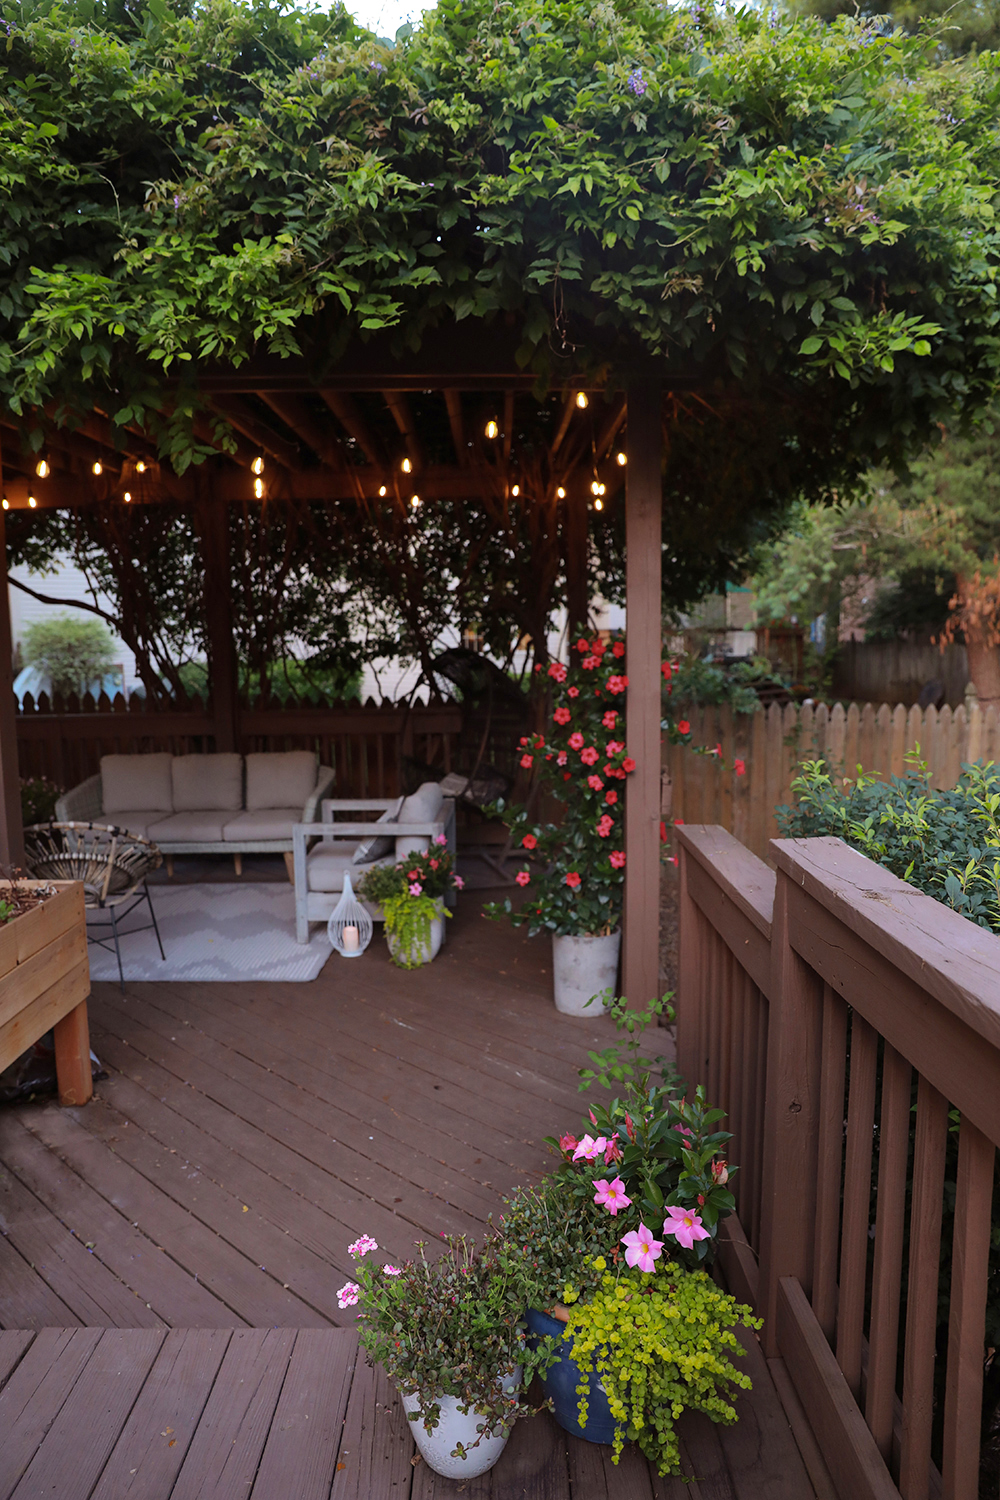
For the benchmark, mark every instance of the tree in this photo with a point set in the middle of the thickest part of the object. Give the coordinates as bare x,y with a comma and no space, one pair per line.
958,28
75,653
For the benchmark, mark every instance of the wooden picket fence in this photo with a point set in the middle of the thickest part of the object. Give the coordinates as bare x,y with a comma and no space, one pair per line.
772,743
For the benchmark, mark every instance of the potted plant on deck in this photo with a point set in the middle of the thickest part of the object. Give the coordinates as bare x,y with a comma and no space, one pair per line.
450,1335
412,895
574,884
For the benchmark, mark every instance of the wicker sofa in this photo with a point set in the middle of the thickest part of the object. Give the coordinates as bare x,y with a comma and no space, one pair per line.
205,804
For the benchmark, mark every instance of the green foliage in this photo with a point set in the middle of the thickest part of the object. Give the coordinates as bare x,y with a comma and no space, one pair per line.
408,927
75,652
695,681
957,26
39,796
660,1344
947,844
449,1327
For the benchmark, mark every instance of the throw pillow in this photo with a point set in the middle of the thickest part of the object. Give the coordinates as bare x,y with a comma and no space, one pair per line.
378,845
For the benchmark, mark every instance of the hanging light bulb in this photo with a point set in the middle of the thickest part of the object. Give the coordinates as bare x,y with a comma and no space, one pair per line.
258,489
561,493
140,467
581,400
381,490
621,460
32,501
415,501
97,467
492,430
406,466
598,504
127,496
516,490
258,464
6,503
595,488
42,468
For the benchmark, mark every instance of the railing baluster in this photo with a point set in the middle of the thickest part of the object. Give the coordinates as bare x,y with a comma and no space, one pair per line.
969,1266
857,1201
737,1076
922,1292
893,1154
830,1160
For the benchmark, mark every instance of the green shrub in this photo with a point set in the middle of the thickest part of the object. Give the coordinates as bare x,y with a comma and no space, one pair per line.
76,653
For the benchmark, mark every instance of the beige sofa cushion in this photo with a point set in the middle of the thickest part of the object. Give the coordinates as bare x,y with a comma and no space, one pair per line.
327,865
207,782
133,783
137,822
281,778
422,806
204,827
263,823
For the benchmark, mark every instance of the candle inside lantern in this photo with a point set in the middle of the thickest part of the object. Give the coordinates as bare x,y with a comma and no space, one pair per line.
351,939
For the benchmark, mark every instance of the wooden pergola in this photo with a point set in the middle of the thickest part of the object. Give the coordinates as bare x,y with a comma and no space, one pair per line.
309,430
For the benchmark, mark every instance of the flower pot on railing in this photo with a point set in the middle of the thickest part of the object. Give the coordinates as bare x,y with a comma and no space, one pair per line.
455,1448
561,1380
583,967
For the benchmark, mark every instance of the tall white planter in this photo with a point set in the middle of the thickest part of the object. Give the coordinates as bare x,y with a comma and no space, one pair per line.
454,1428
425,952
583,967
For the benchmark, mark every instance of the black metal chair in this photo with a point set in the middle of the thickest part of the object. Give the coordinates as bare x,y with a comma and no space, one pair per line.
113,865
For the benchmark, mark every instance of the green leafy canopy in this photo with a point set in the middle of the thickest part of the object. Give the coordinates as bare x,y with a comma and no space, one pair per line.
801,211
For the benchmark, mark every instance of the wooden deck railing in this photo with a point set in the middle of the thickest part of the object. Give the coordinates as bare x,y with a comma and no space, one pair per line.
838,1015
367,744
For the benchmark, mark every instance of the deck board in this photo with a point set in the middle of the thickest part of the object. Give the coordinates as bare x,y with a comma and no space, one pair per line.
245,1134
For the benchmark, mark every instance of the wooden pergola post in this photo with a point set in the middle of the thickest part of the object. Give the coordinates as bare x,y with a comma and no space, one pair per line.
11,828
213,534
643,611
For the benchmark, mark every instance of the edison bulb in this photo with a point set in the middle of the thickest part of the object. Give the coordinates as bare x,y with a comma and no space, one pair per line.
516,490
140,467
381,490
561,493
414,501
581,400
6,503
492,429
97,467
621,459
598,504
127,496
406,466
258,489
42,468
32,501
258,464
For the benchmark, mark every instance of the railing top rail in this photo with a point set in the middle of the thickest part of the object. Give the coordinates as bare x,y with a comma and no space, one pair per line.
744,878
944,953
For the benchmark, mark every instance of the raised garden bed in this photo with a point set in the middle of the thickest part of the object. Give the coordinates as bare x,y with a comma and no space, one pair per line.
45,978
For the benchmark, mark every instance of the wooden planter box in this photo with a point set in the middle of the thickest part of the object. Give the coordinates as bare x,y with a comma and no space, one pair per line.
44,984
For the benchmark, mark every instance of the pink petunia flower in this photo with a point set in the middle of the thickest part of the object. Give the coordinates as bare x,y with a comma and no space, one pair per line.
522,877
576,740
589,756
589,1149
685,1226
362,1246
562,715
617,859
611,1195
348,1295
641,1249
416,889
391,1270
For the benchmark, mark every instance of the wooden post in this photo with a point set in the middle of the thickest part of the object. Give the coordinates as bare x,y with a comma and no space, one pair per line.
11,829
71,1036
643,609
213,532
577,583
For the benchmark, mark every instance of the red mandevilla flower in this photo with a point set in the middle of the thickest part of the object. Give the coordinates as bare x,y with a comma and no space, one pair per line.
628,765
582,645
527,761
576,741
611,798
522,877
589,756
562,715
574,692
573,880
618,649
557,671
683,727
595,783
617,859
609,720
740,767
529,841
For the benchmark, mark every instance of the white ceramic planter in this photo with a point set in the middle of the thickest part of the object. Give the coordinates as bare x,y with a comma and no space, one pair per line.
436,1447
432,947
582,967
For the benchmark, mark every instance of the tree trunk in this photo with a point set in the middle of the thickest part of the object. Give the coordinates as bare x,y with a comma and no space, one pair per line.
984,669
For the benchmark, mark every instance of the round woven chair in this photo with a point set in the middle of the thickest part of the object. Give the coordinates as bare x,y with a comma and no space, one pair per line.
112,864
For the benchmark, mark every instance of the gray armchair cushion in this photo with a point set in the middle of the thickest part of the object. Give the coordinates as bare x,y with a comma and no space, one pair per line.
281,778
134,783
327,865
263,823
207,782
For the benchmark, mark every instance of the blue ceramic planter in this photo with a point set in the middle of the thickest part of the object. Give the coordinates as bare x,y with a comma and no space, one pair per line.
561,1381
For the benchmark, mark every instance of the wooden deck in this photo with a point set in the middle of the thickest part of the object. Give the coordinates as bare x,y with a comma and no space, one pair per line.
199,1209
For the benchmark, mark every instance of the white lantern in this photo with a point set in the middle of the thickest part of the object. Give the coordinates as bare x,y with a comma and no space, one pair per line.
350,927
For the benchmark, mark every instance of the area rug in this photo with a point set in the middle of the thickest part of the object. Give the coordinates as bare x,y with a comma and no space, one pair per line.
223,932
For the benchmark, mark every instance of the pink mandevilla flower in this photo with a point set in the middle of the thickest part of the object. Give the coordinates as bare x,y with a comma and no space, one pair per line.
595,783
567,1143
348,1295
576,740
557,671
362,1246
459,882
610,719
416,888
561,715
605,824
588,1148
527,761
561,758
685,1226
617,857
441,838
613,747
574,692
589,756
613,1152
522,877
641,1249
611,1195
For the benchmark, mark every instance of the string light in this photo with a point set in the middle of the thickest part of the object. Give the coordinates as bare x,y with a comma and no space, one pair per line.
32,501
6,503
42,468
598,504
140,467
258,464
516,490
258,489
492,430
597,488
406,466
581,400
621,460
381,491
561,493
127,496
97,467
415,501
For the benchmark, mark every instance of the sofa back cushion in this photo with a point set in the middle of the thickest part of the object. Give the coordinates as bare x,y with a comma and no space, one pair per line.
422,806
136,783
280,778
207,783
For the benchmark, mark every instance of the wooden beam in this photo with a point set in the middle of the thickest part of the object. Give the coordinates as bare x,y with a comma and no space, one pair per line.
11,828
453,401
266,440
567,416
398,404
348,414
295,413
212,523
610,428
643,545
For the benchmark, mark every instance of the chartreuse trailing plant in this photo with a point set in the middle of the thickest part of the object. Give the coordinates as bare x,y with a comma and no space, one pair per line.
409,894
946,843
447,1327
